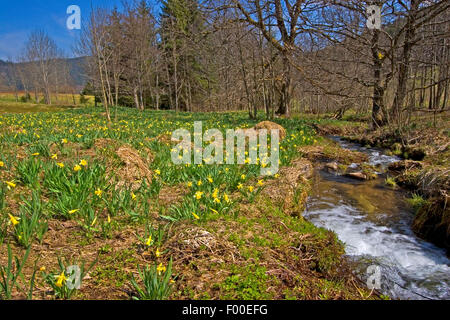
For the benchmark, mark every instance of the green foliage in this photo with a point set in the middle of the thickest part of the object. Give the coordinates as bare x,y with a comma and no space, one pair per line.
391,182
10,273
246,283
417,201
156,282
28,171
68,279
31,223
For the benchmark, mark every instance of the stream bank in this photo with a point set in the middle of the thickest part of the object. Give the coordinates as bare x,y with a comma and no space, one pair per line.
374,222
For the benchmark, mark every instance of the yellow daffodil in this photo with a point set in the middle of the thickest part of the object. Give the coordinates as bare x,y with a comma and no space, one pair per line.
195,216
10,184
210,180
76,168
42,268
243,177
133,196
161,268
55,156
199,183
198,195
215,211
60,279
109,218
60,164
64,141
74,211
98,192
35,154
2,164
226,198
240,186
83,163
260,183
157,253
250,188
93,222
14,220
157,172
149,241
189,184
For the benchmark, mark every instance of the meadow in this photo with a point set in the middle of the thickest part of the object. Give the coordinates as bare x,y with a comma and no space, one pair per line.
9,103
106,198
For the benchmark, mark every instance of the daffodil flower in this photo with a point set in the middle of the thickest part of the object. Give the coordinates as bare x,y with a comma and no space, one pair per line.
195,216
83,163
55,156
14,220
74,211
149,241
98,192
60,279
157,253
10,184
60,164
2,164
161,268
76,168
198,195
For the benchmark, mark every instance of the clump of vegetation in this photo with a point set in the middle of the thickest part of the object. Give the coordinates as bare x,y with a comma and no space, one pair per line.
390,181
417,201
156,282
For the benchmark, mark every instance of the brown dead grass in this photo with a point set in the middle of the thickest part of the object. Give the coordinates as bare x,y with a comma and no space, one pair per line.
331,152
268,125
134,169
285,191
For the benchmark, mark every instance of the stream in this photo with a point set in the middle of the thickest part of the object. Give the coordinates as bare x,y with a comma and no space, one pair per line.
373,221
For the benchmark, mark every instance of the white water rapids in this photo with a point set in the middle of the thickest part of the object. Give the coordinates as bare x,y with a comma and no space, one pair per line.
374,223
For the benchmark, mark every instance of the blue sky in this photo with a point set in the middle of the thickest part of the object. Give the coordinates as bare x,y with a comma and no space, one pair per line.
20,17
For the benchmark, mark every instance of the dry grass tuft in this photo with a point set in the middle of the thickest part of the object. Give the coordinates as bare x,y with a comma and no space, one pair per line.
134,169
285,191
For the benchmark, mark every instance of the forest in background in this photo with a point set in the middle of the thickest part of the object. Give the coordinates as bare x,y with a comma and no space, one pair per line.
276,56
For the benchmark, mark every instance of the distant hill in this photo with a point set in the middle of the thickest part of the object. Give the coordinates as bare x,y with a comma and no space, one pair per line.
76,71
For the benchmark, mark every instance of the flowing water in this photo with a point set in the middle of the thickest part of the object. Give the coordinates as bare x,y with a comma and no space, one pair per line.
374,223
